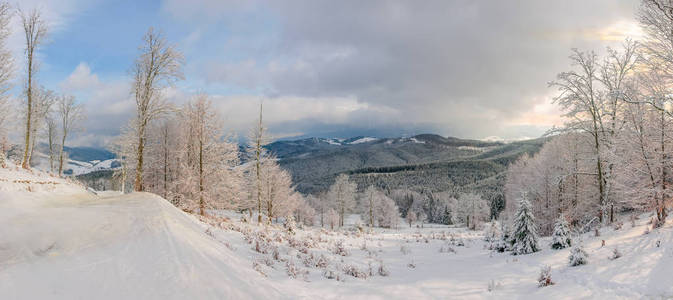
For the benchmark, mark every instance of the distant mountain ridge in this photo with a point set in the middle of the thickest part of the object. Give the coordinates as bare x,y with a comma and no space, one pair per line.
424,161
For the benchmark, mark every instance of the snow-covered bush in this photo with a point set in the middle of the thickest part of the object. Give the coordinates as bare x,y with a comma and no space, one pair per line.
322,261
447,249
615,254
354,271
340,249
492,285
561,236
382,270
544,279
292,270
290,226
577,256
524,231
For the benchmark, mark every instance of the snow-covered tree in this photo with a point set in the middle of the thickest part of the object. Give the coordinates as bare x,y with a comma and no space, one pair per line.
70,115
472,210
561,236
369,201
524,232
35,30
304,212
332,218
277,191
257,139
411,217
6,72
157,66
388,215
208,178
342,195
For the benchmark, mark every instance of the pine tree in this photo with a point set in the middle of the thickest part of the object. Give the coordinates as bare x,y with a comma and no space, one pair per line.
447,219
525,234
577,256
561,236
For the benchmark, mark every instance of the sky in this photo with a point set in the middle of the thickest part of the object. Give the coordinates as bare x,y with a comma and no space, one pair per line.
471,69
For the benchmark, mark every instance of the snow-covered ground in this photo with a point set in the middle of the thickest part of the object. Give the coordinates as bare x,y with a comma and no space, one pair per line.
58,241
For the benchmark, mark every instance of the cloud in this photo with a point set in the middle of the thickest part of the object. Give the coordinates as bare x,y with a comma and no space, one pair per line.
108,104
471,67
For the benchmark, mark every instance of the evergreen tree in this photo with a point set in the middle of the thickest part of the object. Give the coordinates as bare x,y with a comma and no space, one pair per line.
524,234
561,236
447,218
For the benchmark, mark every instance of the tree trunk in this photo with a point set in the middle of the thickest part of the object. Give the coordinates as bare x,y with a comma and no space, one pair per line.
202,204
29,95
138,183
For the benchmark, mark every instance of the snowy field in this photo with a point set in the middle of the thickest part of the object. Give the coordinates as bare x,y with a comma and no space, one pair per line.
58,241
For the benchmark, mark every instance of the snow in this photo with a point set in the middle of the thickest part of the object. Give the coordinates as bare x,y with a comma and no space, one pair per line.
363,140
80,167
333,142
58,241
416,141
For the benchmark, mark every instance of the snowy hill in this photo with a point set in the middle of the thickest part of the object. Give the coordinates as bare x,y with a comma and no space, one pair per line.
60,242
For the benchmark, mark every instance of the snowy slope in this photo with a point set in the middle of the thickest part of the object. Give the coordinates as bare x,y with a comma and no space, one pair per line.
60,242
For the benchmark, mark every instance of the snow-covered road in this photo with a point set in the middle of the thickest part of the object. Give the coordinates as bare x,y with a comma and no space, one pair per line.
136,246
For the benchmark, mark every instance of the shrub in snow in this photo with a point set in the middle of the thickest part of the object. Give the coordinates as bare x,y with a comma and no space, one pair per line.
275,253
524,232
329,274
292,270
618,225
340,249
290,226
492,285
447,249
322,261
258,267
561,236
577,256
544,279
615,254
411,265
354,271
383,271
500,246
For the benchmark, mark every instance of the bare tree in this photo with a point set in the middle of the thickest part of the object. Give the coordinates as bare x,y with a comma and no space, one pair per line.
159,65
43,100
6,71
52,128
71,114
257,139
36,31
342,195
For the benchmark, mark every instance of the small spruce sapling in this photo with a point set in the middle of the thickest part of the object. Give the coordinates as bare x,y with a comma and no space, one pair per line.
561,236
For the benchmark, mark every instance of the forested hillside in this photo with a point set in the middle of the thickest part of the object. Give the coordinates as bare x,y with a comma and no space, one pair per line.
423,163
